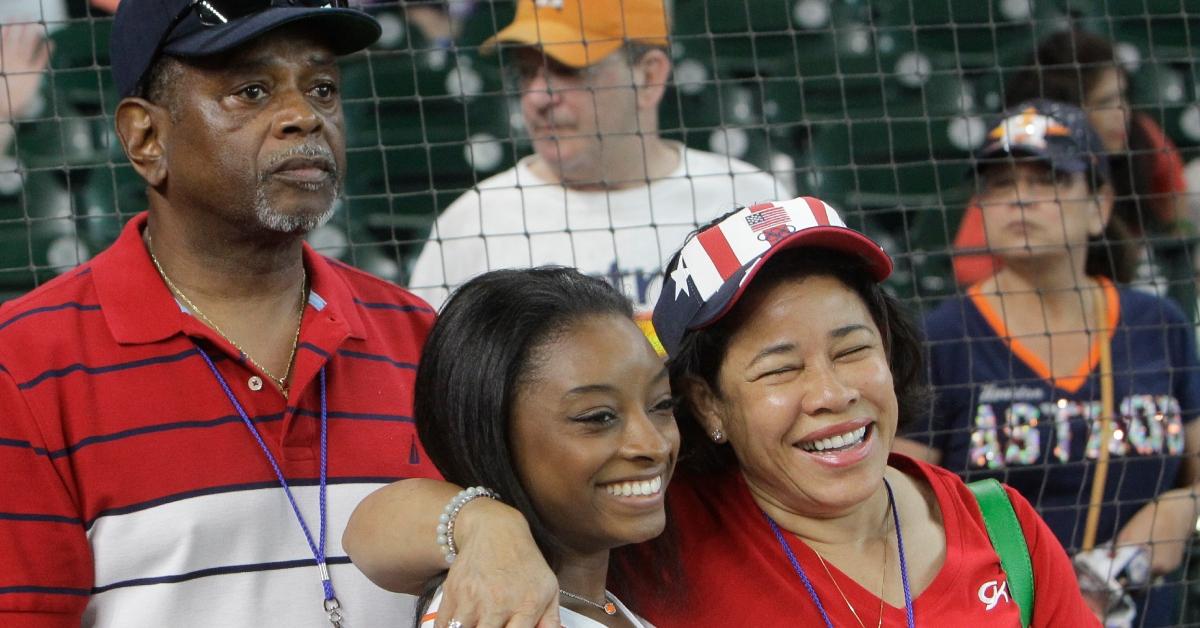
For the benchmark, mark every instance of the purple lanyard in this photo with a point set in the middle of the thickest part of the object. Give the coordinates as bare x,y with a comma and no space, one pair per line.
812,593
331,604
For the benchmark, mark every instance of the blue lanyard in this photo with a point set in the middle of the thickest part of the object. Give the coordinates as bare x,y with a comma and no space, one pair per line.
812,593
331,604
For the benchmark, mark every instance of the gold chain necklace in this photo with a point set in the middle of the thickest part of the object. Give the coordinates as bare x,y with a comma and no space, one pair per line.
280,381
881,586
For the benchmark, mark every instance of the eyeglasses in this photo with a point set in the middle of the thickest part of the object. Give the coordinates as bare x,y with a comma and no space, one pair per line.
218,12
522,68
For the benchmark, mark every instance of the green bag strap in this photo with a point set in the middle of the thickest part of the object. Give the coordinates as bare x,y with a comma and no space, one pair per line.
1008,540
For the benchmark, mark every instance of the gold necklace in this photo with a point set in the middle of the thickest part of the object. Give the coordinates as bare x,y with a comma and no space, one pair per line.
608,606
881,586
280,381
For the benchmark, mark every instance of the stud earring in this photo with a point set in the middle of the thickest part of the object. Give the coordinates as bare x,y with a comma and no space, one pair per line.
718,436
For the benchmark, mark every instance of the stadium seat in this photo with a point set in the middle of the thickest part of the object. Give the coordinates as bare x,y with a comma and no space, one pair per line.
38,234
65,140
482,19
1164,92
87,90
81,44
924,261
774,37
895,177
972,33
889,139
486,18
1159,30
402,74
387,104
879,164
104,198
347,239
393,226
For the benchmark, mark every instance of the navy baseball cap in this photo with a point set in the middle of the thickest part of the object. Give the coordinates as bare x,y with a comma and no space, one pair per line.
708,275
1045,130
144,29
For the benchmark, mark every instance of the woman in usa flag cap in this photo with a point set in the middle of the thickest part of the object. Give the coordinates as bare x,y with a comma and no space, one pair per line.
794,370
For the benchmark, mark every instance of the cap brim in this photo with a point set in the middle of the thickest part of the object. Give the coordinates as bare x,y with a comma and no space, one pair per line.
350,31
558,41
1026,154
849,241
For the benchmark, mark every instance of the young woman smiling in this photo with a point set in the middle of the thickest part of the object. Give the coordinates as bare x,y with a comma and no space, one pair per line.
538,385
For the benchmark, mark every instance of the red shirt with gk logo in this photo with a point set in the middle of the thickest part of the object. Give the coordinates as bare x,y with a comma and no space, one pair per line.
736,574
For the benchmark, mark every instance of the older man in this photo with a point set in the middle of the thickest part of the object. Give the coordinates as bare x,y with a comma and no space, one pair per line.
602,191
187,421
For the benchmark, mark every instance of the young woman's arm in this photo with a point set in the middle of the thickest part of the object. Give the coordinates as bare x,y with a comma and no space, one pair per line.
499,578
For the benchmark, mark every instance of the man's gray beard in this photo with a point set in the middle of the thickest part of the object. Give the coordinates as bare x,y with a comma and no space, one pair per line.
281,222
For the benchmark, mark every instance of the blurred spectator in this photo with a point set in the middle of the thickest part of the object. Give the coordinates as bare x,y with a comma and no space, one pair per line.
1017,366
603,191
48,12
108,6
439,21
24,56
1082,68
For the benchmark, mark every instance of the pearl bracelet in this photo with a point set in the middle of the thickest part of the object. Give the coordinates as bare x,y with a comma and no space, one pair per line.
445,529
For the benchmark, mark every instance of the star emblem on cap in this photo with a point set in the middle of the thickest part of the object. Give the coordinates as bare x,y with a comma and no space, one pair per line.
1028,128
680,276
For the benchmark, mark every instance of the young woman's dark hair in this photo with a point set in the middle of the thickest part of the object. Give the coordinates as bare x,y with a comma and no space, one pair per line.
479,354
702,351
1066,67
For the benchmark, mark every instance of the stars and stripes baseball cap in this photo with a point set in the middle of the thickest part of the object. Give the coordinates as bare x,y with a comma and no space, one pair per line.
716,264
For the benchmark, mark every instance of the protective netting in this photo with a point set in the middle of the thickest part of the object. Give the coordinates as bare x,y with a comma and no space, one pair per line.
871,105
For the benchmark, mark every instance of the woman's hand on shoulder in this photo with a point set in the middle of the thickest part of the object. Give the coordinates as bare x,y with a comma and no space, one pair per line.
499,579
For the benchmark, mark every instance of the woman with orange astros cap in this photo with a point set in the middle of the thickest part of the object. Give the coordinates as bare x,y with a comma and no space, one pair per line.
1019,369
794,370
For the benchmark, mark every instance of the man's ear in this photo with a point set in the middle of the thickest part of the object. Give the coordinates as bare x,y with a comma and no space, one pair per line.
650,78
706,406
143,128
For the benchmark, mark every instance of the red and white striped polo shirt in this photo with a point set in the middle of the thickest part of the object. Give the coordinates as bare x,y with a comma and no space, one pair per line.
131,492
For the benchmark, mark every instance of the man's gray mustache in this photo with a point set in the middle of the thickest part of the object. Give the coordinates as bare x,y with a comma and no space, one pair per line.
308,151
